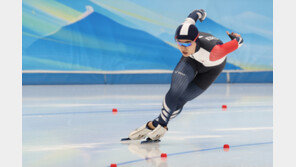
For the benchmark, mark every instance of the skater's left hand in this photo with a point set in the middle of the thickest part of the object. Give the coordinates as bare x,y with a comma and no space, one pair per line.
233,35
200,15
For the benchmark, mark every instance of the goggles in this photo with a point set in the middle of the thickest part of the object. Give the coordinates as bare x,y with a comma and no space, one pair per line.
187,43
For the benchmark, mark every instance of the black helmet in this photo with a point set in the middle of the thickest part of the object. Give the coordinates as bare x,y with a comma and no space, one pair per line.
186,31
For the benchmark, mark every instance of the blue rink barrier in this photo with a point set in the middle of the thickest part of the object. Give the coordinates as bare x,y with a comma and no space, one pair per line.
133,77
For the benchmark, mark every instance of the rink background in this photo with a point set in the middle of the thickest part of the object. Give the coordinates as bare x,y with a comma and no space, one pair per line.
11,89
65,43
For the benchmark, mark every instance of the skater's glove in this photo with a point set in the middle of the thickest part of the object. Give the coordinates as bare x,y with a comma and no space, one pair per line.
235,36
198,15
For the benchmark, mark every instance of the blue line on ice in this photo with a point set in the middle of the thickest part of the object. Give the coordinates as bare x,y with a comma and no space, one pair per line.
192,151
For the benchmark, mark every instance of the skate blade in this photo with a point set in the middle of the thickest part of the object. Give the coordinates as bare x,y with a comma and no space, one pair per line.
125,139
128,141
147,141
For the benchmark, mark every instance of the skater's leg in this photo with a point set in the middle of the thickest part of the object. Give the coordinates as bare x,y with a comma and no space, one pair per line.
177,100
200,83
182,76
174,102
189,94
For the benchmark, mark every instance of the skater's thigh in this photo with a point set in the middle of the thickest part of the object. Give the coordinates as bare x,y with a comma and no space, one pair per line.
204,80
184,73
191,92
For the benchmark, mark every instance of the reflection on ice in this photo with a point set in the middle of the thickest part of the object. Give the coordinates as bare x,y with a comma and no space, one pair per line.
150,152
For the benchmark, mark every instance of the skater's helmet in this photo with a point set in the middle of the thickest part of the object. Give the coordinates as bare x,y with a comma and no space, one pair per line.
186,31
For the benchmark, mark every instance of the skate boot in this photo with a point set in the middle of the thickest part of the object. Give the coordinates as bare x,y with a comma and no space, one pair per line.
155,135
139,133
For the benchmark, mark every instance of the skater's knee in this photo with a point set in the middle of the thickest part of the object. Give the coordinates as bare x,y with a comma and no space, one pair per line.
175,92
173,95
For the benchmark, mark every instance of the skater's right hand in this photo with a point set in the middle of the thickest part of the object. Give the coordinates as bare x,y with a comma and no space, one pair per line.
236,36
198,15
233,35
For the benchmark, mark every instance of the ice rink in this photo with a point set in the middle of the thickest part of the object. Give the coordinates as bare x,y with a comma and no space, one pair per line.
74,126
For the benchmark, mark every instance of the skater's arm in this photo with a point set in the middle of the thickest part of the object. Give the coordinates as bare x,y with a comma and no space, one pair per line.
221,50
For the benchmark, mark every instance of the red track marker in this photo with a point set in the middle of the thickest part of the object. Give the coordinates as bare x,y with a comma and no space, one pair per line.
224,107
163,155
226,147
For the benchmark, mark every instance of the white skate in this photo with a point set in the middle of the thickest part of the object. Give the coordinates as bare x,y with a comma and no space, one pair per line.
155,135
138,134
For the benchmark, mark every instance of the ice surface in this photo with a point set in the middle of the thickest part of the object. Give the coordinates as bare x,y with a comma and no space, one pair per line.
73,126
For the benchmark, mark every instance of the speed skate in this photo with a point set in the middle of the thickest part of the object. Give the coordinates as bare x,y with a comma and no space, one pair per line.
146,135
146,141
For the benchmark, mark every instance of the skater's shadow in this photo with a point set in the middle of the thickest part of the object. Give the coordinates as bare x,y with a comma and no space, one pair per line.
150,152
